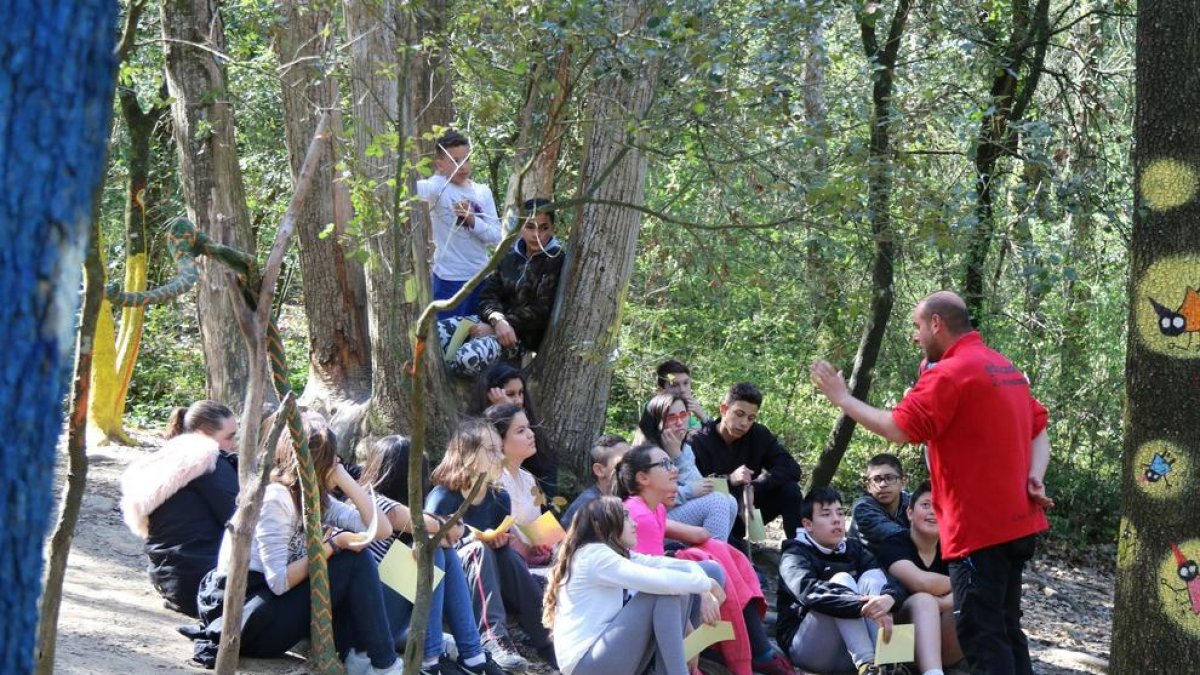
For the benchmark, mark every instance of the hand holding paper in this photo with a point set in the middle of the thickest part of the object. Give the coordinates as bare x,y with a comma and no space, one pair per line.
491,534
706,635
545,531
899,649
361,539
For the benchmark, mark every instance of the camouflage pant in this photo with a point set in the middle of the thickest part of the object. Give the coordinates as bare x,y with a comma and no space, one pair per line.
475,355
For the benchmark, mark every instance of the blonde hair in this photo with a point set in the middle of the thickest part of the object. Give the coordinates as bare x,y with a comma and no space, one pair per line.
600,521
473,449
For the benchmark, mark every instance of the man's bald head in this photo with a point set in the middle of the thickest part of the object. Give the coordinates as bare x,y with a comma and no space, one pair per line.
950,308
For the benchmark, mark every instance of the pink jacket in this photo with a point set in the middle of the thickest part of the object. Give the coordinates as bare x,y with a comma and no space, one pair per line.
741,589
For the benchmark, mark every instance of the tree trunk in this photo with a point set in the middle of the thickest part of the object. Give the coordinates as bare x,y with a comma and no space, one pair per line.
115,354
1017,68
879,197
77,460
580,348
339,359
1156,624
398,278
540,138
193,35
57,72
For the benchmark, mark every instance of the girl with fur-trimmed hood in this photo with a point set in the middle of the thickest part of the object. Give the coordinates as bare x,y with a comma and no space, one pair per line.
180,498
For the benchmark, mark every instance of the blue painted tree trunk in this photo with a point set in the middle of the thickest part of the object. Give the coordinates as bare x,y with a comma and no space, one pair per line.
57,70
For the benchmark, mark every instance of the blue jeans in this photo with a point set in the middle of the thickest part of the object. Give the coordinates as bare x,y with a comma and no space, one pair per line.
450,604
444,289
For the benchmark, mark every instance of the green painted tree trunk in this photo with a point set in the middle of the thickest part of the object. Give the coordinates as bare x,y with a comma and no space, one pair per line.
1156,623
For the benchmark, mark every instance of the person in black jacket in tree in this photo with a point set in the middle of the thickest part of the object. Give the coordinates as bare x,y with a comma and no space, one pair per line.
833,597
747,452
515,301
180,498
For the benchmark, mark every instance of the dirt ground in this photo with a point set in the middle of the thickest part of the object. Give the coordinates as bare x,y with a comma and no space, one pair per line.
113,623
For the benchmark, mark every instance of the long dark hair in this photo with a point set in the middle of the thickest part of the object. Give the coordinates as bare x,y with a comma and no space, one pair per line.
600,521
544,463
656,414
636,461
204,416
386,470
322,446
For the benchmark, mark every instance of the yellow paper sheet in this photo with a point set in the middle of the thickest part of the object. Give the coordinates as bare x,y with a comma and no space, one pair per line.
545,531
720,484
398,569
492,533
756,531
704,636
899,649
461,335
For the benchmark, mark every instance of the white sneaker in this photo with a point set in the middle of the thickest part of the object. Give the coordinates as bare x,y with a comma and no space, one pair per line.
357,663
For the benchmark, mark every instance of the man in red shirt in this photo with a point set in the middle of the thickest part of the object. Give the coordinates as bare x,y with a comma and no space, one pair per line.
988,452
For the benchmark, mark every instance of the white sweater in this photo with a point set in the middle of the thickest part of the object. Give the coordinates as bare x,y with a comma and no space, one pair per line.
459,251
594,594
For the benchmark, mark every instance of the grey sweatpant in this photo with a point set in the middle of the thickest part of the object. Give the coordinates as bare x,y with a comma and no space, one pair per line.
826,644
648,628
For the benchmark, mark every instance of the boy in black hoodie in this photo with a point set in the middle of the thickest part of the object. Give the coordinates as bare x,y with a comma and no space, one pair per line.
833,597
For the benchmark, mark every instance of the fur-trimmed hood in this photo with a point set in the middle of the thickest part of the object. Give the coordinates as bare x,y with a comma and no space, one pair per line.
152,480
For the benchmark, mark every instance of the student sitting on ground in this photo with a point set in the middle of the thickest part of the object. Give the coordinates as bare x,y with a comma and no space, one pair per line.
527,499
502,383
832,595
598,630
914,558
277,609
605,454
515,301
499,579
674,377
180,498
646,480
883,511
739,447
386,472
665,425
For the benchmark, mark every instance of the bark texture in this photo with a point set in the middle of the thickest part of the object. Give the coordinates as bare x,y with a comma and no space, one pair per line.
577,366
335,294
1156,622
193,37
57,69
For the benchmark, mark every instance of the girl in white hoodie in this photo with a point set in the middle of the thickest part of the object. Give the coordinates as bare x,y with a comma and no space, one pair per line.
598,629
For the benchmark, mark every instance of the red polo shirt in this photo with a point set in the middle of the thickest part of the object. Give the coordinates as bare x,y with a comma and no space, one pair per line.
975,411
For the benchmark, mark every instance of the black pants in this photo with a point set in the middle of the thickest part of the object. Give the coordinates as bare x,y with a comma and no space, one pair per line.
987,607
781,500
271,623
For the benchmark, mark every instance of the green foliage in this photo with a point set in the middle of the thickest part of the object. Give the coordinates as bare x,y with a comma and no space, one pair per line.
170,370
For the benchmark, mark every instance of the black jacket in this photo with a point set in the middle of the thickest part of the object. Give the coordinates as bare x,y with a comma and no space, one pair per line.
758,449
804,574
522,291
186,531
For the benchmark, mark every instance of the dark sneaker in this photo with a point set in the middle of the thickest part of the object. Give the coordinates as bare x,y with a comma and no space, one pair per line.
547,654
505,654
488,667
776,666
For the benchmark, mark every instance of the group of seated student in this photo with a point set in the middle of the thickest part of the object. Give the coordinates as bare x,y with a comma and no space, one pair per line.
651,549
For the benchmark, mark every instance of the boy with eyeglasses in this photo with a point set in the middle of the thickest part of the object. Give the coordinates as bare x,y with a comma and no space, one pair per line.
883,511
515,301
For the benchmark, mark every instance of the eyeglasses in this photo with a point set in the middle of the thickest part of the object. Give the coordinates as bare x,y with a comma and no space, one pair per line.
881,481
677,417
664,463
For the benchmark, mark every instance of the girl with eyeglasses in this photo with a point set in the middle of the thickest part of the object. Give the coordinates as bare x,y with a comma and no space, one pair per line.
646,479
665,425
